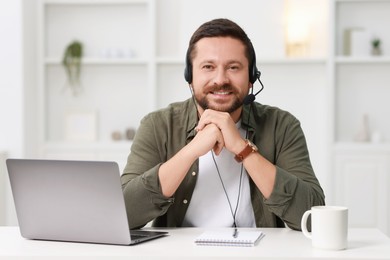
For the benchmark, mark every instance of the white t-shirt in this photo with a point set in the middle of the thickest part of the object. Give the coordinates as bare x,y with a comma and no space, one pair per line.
209,206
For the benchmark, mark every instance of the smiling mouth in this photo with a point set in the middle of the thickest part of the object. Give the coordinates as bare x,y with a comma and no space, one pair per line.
221,93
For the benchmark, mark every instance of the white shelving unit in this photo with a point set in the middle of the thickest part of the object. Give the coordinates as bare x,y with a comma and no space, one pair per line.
360,86
134,62
361,78
117,76
118,90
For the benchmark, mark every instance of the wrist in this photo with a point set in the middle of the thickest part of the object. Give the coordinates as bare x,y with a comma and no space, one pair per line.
240,146
246,151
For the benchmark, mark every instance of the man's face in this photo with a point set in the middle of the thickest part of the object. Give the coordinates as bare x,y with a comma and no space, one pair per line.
220,74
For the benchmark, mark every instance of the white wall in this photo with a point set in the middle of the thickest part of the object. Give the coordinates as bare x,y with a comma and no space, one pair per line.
11,96
11,69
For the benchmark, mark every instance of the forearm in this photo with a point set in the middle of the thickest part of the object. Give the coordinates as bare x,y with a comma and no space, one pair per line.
262,172
173,171
287,195
143,198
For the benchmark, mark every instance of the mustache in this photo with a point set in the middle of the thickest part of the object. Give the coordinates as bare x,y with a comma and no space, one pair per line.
225,87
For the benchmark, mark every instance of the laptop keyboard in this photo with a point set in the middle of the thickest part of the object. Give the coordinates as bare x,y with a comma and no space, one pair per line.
140,234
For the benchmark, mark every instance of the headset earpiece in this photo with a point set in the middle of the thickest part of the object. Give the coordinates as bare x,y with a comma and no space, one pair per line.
254,73
188,69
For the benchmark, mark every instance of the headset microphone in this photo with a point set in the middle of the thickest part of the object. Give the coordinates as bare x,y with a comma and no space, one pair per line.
249,99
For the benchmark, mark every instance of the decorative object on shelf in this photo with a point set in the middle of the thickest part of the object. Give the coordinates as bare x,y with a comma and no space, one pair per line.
376,49
347,41
356,42
297,30
376,137
130,133
72,63
363,135
116,135
117,53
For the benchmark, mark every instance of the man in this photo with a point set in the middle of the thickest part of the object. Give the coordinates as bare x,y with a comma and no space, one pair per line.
213,160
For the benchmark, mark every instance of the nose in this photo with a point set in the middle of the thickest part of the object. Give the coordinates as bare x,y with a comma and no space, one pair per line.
221,77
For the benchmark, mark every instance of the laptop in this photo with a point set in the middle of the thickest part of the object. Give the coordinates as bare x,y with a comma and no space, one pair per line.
77,201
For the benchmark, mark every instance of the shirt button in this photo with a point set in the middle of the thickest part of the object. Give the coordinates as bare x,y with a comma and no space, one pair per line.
193,173
185,201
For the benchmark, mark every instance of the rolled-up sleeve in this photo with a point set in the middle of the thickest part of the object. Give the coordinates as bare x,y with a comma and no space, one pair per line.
140,183
296,187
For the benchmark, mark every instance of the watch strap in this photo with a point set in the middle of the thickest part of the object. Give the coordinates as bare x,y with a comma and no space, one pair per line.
249,148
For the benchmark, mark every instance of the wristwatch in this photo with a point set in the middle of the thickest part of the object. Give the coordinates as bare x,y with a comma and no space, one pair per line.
249,148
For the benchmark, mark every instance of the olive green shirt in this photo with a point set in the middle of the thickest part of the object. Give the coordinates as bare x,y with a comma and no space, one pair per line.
276,133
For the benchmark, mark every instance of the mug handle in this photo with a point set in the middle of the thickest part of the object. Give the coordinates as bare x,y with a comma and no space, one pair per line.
304,224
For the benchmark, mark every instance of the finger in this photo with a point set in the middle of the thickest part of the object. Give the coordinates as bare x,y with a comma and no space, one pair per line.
203,121
207,117
217,149
219,145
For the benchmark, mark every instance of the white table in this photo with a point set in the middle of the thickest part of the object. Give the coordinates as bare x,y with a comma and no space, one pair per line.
277,244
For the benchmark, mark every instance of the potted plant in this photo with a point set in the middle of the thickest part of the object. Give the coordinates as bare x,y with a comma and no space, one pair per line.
72,63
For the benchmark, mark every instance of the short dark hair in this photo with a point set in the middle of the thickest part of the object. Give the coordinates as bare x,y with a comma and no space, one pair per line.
221,27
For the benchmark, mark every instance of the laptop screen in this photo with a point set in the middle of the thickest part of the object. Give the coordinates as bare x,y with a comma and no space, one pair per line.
79,201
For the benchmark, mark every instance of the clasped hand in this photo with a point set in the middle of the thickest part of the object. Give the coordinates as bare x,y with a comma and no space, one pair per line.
215,131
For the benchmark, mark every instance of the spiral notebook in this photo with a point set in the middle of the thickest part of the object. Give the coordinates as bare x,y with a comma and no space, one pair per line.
225,238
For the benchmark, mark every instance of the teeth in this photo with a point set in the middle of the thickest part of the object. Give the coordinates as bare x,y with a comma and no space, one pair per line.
222,93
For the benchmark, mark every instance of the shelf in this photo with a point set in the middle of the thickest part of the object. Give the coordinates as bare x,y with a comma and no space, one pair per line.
90,146
95,2
261,61
170,60
362,146
101,61
102,151
358,60
294,61
361,1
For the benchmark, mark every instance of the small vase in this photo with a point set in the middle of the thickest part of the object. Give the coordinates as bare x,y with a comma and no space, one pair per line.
363,134
130,133
376,51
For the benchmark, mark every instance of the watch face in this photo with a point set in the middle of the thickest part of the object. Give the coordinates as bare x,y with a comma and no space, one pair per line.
254,147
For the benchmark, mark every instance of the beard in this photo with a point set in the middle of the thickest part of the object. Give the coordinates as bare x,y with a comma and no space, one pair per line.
204,103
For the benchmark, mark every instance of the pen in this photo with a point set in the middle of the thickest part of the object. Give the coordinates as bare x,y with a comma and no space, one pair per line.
235,233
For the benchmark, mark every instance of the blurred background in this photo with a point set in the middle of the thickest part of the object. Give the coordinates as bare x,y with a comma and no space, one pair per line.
76,77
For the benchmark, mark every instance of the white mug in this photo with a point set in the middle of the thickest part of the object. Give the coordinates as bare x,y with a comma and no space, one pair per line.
329,227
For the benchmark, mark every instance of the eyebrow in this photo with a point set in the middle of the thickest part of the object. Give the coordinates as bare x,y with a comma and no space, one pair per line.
228,62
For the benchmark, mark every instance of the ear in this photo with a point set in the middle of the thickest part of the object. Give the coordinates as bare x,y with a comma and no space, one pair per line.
191,88
250,87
